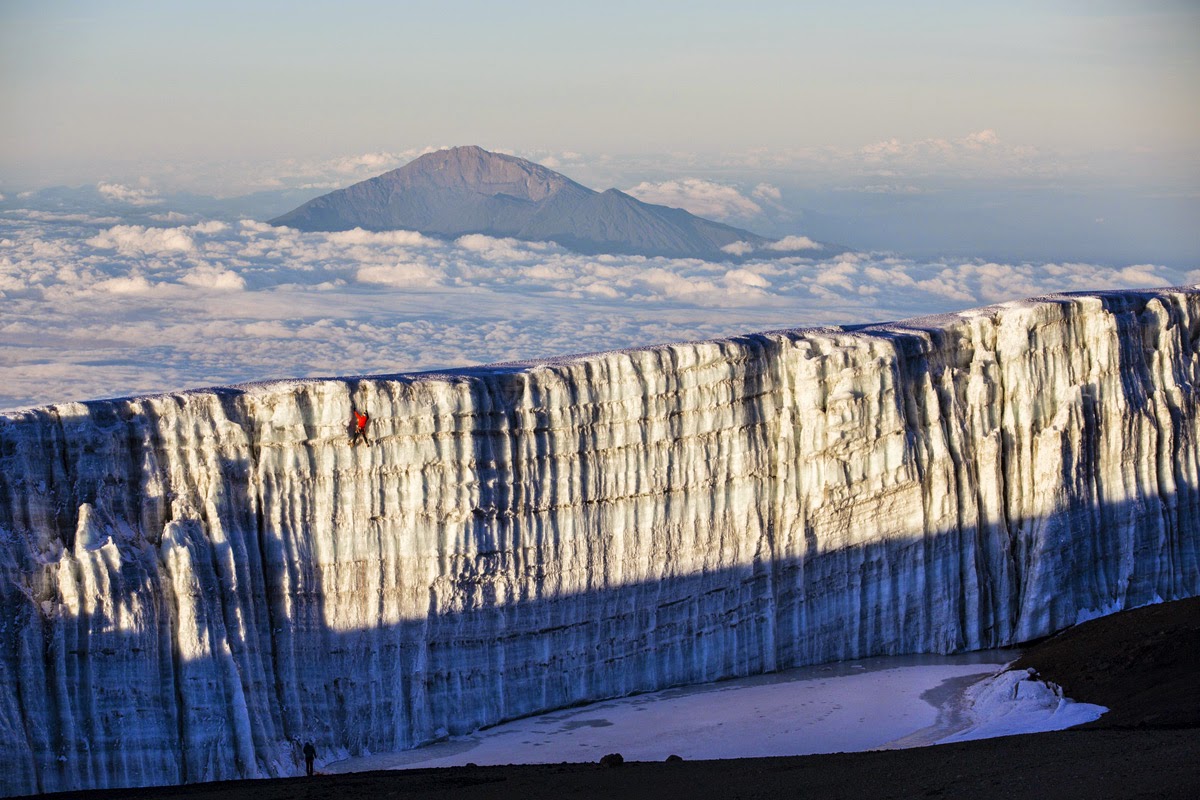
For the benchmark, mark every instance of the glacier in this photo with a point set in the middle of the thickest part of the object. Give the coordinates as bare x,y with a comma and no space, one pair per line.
195,583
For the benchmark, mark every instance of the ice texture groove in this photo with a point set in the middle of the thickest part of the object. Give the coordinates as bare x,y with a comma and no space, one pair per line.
193,583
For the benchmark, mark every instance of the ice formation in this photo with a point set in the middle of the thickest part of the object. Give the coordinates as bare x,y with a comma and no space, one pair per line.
1018,701
194,583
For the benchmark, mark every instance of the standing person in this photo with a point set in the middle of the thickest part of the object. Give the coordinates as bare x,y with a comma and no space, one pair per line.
310,753
360,428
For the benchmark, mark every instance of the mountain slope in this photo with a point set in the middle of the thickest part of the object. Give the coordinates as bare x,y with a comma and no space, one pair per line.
470,190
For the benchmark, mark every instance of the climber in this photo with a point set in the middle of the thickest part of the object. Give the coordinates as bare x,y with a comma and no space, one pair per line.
310,753
360,428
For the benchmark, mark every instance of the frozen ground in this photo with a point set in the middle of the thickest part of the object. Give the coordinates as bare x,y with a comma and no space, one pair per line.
905,701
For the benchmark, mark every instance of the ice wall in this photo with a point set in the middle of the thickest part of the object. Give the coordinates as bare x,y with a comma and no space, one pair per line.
193,583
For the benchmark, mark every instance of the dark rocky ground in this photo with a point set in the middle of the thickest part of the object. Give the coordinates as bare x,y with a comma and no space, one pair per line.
1144,665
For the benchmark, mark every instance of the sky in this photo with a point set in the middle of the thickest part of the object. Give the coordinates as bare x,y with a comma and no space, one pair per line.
103,87
945,155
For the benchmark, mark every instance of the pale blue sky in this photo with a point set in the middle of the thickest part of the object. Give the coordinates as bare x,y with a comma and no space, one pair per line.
93,90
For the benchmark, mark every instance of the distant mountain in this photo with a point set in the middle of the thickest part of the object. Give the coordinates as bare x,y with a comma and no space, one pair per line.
470,190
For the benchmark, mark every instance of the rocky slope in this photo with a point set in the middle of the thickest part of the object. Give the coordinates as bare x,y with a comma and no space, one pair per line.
192,583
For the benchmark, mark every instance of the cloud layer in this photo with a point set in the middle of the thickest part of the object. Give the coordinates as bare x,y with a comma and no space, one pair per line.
93,308
119,193
703,198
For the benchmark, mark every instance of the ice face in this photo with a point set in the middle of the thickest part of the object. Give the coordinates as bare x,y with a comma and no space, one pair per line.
195,584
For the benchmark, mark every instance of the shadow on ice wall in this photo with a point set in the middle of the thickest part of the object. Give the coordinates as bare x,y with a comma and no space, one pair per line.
213,693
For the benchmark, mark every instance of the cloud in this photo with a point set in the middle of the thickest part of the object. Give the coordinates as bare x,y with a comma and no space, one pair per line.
375,238
494,248
1139,274
360,165
895,149
745,279
119,193
170,216
132,239
373,163
893,163
885,188
790,243
980,140
60,216
765,191
337,171
701,197
133,308
211,226
977,153
557,160
841,274
738,248
232,178
138,239
207,276
401,275
133,284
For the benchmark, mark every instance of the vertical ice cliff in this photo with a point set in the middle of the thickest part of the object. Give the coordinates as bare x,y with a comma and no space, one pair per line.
193,583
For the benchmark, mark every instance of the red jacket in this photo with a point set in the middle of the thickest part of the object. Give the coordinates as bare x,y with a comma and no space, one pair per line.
361,421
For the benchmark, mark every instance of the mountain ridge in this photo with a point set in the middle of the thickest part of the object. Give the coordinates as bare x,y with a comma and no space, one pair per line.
467,189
